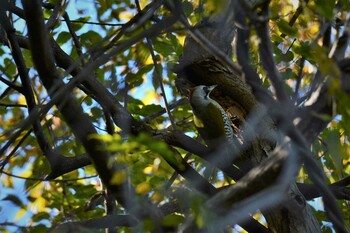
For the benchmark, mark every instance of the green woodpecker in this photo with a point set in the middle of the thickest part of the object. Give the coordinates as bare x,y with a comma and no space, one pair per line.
210,119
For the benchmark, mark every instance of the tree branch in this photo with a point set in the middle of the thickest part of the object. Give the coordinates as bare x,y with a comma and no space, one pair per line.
73,113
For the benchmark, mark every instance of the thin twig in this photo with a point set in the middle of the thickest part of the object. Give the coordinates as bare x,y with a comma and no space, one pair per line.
74,36
13,151
299,77
43,179
177,104
158,74
13,105
11,84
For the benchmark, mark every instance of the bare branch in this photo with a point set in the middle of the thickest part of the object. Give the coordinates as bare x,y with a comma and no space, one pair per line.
72,112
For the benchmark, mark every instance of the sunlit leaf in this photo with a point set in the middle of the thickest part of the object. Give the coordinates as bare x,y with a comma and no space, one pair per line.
119,177
286,28
20,214
143,188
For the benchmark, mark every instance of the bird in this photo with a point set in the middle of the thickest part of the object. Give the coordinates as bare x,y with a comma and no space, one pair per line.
214,125
211,120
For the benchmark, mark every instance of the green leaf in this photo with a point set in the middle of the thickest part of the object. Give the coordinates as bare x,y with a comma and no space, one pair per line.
15,200
63,37
134,108
215,6
150,109
155,78
286,28
78,25
28,58
287,57
119,177
163,47
287,74
304,49
327,66
160,147
187,7
326,8
40,228
10,67
173,220
90,38
134,80
277,38
40,216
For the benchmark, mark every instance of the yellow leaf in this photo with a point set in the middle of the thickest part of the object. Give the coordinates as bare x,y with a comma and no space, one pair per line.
37,190
20,214
149,60
215,5
104,137
148,170
151,97
157,196
314,29
21,100
39,204
143,188
125,15
118,177
26,173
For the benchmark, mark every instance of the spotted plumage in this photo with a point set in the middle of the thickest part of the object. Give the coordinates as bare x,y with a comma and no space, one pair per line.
211,120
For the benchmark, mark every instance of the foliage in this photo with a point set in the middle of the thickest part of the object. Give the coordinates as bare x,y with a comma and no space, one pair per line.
140,78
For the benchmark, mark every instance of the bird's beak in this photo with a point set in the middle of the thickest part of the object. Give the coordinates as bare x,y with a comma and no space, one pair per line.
210,88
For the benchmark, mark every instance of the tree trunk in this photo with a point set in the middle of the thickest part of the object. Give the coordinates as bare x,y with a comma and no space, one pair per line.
199,66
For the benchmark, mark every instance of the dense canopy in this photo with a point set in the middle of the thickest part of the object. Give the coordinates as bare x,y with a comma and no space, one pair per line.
97,133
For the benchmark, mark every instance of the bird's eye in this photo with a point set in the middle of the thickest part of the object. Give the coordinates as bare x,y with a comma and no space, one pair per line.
206,91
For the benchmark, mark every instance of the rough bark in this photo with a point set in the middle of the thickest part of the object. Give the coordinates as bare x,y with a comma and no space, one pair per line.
202,66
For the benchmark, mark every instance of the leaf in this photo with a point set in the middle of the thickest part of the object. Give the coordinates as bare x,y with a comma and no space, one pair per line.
40,216
160,147
10,67
27,58
277,38
134,80
304,49
15,200
286,28
119,177
187,7
134,108
327,66
149,109
288,74
40,228
155,78
63,37
215,6
20,214
287,57
173,220
326,8
78,25
335,151
90,38
143,188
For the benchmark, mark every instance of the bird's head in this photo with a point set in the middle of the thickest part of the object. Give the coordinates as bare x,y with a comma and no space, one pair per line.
201,91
